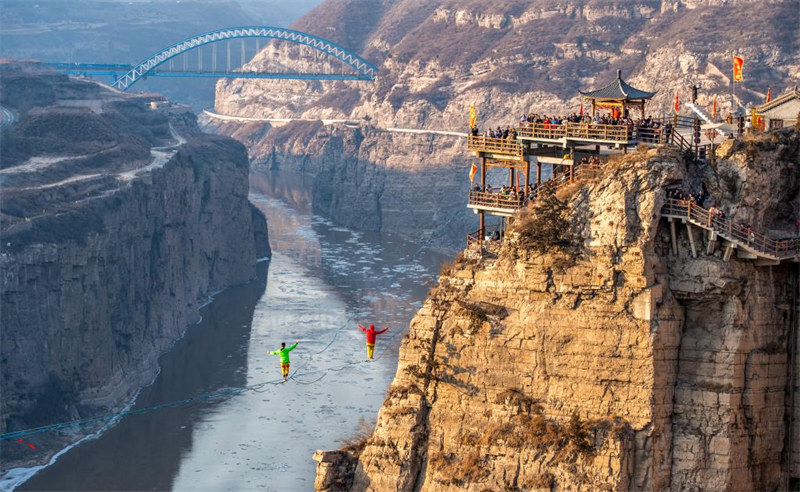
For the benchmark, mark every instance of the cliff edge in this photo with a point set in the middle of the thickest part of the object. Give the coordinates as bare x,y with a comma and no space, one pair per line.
598,358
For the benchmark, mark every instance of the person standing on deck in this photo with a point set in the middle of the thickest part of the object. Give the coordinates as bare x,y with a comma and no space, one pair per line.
284,353
371,334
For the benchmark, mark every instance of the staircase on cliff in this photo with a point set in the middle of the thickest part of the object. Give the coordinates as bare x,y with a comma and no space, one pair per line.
514,155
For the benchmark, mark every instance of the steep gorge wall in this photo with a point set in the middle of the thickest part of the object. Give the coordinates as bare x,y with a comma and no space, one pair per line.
371,179
85,317
106,271
436,58
626,368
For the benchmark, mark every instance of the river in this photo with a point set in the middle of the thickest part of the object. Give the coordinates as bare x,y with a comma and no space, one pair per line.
322,280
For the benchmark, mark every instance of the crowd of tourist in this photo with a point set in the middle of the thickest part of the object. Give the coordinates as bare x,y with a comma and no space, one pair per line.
646,129
508,132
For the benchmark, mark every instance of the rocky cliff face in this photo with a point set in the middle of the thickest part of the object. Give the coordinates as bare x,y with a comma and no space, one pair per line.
370,179
610,363
109,246
436,58
510,57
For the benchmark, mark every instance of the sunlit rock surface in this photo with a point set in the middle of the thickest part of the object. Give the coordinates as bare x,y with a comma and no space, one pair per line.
625,367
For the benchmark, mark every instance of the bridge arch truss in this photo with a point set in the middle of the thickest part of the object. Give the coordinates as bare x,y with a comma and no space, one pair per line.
364,69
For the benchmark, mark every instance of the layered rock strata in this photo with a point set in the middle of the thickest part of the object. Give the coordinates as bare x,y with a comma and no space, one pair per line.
609,364
437,58
107,255
370,179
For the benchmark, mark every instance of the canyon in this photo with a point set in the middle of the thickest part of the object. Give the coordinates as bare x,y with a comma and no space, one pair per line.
118,222
436,59
620,365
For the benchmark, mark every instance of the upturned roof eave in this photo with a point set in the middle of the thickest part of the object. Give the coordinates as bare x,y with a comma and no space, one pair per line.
626,98
618,90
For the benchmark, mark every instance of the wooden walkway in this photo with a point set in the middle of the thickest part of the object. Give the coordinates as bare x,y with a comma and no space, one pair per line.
748,243
572,134
497,148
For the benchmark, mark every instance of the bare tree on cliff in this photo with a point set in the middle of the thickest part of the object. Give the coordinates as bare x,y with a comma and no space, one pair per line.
546,228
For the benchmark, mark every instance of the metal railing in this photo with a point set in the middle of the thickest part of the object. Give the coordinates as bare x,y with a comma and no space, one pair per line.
507,146
741,235
579,171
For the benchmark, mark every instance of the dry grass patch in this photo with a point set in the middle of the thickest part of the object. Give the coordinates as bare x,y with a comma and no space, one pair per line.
357,442
459,470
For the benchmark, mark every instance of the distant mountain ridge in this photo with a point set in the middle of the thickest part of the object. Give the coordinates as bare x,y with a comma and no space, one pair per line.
509,56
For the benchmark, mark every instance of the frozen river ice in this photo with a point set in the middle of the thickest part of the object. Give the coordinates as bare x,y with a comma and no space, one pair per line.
321,281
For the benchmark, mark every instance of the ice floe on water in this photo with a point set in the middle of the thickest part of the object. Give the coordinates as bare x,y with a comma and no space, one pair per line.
323,280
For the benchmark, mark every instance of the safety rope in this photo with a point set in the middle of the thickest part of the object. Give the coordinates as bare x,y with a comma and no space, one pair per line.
228,393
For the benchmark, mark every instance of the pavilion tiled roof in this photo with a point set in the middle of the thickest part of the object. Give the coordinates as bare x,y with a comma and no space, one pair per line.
618,89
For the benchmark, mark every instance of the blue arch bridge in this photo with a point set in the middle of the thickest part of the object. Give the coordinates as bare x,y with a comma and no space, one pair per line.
210,55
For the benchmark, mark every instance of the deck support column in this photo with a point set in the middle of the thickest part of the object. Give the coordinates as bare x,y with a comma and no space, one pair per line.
527,175
538,172
728,252
712,243
511,177
481,221
691,239
481,228
674,236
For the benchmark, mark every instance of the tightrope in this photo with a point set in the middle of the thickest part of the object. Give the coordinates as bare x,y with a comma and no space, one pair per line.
228,393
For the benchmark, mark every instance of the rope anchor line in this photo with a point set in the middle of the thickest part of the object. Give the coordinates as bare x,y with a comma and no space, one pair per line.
228,393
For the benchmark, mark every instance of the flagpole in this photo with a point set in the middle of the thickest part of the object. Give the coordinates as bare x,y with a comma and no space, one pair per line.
733,84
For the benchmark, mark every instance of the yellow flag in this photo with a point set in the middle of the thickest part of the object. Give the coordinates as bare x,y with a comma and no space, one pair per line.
738,64
472,116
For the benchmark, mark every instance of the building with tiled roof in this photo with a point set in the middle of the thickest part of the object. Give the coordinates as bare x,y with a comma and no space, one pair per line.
781,111
618,95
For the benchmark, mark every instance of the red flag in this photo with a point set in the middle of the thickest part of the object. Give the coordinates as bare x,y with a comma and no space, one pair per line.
581,108
769,95
677,103
472,173
738,63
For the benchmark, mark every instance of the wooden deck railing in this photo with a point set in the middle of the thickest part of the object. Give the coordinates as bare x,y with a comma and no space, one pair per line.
474,238
577,131
507,146
495,200
699,216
